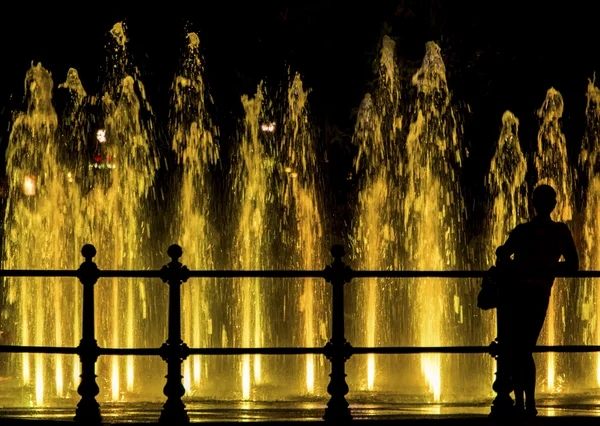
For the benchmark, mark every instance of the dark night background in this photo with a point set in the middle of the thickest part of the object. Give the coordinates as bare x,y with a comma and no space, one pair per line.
499,55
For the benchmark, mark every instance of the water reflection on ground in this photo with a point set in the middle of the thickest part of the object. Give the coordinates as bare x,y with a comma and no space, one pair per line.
226,411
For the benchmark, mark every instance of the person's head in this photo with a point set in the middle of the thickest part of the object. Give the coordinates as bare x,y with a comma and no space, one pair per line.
544,200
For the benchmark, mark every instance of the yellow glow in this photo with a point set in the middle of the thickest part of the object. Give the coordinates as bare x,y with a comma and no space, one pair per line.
76,372
115,379
59,375
29,185
430,365
257,369
506,183
246,377
588,162
130,373
370,371
26,370
101,135
377,208
268,127
197,371
39,380
552,166
47,231
187,376
195,144
551,356
310,374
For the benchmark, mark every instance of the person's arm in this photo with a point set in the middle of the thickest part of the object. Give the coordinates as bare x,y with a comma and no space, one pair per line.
571,262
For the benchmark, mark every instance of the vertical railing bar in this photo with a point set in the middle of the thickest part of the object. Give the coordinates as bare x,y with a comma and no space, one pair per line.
502,406
88,409
337,350
174,351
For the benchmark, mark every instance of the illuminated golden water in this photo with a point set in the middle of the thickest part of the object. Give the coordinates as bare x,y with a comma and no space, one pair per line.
39,235
275,191
552,166
195,227
506,185
252,181
376,242
588,161
507,188
410,215
76,201
433,211
301,224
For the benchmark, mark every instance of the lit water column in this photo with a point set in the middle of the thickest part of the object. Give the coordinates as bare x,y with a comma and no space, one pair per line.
252,169
434,209
126,162
507,189
35,229
588,161
301,223
552,167
376,133
197,152
75,131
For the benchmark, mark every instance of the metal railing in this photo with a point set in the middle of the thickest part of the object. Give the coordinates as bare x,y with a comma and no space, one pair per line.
174,351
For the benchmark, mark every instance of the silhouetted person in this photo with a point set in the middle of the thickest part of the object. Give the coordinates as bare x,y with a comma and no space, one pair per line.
532,254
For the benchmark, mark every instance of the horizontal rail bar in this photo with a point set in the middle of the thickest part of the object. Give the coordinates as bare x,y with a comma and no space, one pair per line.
399,350
256,351
270,274
466,349
418,350
453,274
257,274
14,349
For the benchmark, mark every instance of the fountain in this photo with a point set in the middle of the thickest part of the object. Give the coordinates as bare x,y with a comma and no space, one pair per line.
433,212
376,244
195,228
87,177
589,293
58,201
553,168
278,226
507,189
299,185
39,221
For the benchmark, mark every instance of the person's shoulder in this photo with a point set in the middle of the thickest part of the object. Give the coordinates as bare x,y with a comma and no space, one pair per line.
562,227
520,228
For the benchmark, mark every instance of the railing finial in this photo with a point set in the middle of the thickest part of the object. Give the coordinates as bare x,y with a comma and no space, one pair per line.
338,251
88,251
175,252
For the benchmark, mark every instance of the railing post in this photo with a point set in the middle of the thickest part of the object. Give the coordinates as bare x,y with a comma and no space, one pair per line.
174,351
338,350
88,409
502,406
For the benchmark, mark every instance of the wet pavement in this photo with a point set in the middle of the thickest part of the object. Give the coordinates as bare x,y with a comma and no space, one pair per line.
551,412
